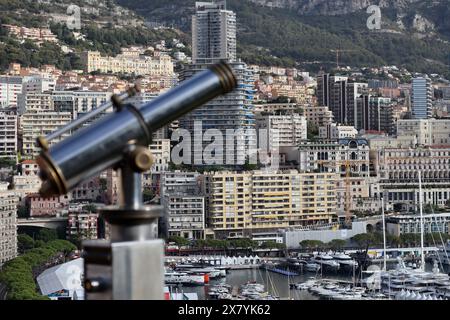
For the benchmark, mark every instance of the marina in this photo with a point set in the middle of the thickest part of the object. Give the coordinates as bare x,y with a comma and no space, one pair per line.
330,286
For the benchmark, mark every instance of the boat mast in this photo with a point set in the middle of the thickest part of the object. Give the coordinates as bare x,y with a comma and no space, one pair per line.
422,266
384,234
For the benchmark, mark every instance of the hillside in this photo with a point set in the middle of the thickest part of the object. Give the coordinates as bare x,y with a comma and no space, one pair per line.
414,34
105,27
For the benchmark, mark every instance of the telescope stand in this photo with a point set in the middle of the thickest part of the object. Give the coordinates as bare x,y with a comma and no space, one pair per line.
131,265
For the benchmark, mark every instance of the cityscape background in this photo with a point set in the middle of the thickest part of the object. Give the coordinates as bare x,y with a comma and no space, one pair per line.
352,124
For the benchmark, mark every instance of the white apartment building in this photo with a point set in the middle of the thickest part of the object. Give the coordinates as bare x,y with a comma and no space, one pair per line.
213,32
10,88
335,156
8,224
39,84
82,225
427,132
128,63
184,204
79,102
320,116
335,131
283,130
8,134
34,102
160,149
186,216
34,125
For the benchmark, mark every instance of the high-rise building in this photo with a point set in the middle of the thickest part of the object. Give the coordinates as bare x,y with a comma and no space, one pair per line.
421,98
8,134
352,113
375,113
8,223
339,98
283,130
213,32
184,204
323,90
332,93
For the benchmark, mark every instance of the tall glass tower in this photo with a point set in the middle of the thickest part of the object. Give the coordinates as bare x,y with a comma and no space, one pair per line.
421,98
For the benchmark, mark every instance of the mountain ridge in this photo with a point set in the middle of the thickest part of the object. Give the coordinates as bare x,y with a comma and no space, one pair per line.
274,35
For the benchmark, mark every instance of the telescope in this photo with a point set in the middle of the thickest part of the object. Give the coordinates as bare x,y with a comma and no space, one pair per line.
130,265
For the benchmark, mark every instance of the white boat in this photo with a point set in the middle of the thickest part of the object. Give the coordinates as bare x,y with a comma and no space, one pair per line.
312,267
345,260
211,272
326,260
183,278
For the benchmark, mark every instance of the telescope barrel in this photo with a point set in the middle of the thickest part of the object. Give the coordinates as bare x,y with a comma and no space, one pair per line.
86,117
103,144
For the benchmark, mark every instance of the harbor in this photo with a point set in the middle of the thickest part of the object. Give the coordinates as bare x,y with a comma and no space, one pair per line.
274,282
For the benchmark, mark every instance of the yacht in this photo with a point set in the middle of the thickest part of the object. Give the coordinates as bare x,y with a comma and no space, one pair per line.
326,260
183,278
345,260
312,267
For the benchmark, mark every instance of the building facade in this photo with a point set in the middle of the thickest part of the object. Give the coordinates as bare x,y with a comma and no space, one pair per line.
213,32
8,224
128,63
283,130
240,204
421,98
407,224
34,125
398,171
8,134
184,204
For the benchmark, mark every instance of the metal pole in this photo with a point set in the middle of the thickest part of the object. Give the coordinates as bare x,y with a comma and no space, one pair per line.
421,223
384,234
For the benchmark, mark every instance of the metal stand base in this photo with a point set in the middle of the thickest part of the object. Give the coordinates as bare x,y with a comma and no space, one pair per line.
131,265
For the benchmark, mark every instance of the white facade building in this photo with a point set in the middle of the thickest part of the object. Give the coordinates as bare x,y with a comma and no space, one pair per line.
283,130
8,223
41,124
8,134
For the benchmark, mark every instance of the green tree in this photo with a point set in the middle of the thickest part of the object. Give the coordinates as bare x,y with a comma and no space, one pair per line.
147,194
179,241
24,243
336,244
47,235
312,130
364,239
311,244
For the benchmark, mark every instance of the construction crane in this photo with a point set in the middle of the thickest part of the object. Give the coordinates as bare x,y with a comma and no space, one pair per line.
338,51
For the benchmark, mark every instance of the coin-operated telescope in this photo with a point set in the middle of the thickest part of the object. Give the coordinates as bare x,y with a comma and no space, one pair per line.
131,265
